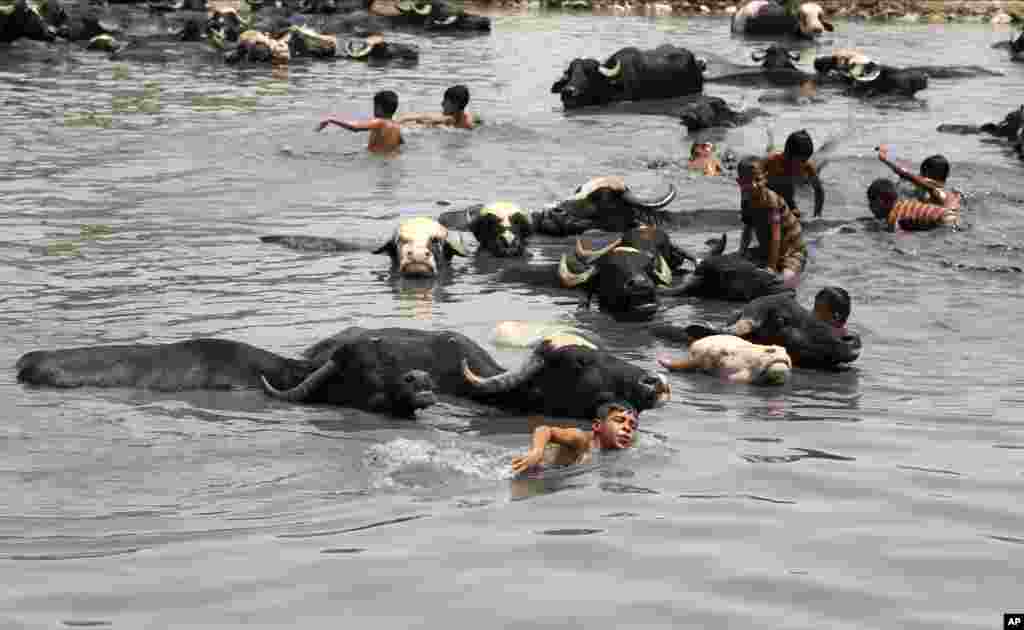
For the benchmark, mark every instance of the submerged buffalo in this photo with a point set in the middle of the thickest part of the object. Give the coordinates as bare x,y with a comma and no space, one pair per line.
731,277
603,203
631,74
1010,127
864,75
625,274
391,370
767,17
437,15
501,228
23,19
780,320
735,360
705,112
776,68
1015,45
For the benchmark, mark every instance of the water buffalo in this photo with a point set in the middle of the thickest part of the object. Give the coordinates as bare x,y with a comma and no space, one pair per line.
730,277
711,111
567,375
82,22
437,15
735,360
1015,45
23,19
780,320
864,76
421,246
603,203
766,17
775,67
630,74
625,274
501,228
1011,128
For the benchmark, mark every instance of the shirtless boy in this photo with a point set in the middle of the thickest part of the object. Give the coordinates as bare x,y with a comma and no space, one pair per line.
613,428
385,133
781,246
453,111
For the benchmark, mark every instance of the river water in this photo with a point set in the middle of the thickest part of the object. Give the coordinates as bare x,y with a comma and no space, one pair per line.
133,198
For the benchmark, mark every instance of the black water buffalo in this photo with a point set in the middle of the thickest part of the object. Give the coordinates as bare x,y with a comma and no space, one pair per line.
631,74
729,277
603,203
1015,45
705,112
437,15
23,19
780,320
1011,127
776,69
625,274
567,375
767,17
81,22
864,76
305,42
501,228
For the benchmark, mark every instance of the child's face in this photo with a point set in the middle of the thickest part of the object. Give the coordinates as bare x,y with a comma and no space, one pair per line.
616,430
702,150
823,311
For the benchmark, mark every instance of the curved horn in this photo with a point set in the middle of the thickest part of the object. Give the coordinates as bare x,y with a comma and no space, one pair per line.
590,255
506,381
357,50
758,57
454,241
795,56
717,245
612,73
662,271
305,389
423,8
570,279
633,200
448,21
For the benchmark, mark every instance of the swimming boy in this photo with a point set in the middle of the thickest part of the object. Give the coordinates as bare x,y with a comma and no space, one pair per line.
781,246
702,158
930,183
453,111
832,306
613,428
787,169
909,214
385,133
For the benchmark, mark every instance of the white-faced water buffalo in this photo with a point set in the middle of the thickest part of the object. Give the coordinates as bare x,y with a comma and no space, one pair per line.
603,203
625,274
780,320
735,360
501,228
23,19
567,375
390,370
630,74
767,17
421,246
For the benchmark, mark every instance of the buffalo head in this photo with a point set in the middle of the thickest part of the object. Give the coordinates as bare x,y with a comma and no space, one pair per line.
810,22
366,372
421,247
437,15
603,203
374,46
587,82
502,229
224,25
780,320
567,375
736,360
24,20
1009,127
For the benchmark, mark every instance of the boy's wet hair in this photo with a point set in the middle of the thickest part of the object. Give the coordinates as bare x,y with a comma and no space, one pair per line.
386,101
837,300
882,190
799,146
616,405
935,167
457,94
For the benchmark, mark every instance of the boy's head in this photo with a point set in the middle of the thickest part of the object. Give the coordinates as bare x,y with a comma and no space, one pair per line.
455,100
385,104
615,425
935,167
832,306
748,170
701,150
799,146
882,197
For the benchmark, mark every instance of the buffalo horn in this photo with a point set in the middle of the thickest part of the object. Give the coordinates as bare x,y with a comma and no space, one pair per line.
506,381
570,279
422,8
357,50
305,389
591,255
795,56
613,72
758,56
633,200
662,271
455,243
448,21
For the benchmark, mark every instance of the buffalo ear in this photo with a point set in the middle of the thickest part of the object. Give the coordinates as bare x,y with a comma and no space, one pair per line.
828,26
387,248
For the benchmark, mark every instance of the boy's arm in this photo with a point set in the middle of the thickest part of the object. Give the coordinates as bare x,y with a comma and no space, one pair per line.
924,182
542,436
424,118
352,125
819,194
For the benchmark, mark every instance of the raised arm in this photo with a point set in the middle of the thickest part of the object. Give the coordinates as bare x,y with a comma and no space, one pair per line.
924,182
425,119
544,435
819,194
351,125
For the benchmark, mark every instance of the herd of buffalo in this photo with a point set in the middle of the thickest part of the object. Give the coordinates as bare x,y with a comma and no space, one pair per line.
630,266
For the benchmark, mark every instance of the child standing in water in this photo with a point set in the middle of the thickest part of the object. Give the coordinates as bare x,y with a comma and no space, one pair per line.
453,111
613,428
787,169
385,133
781,246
